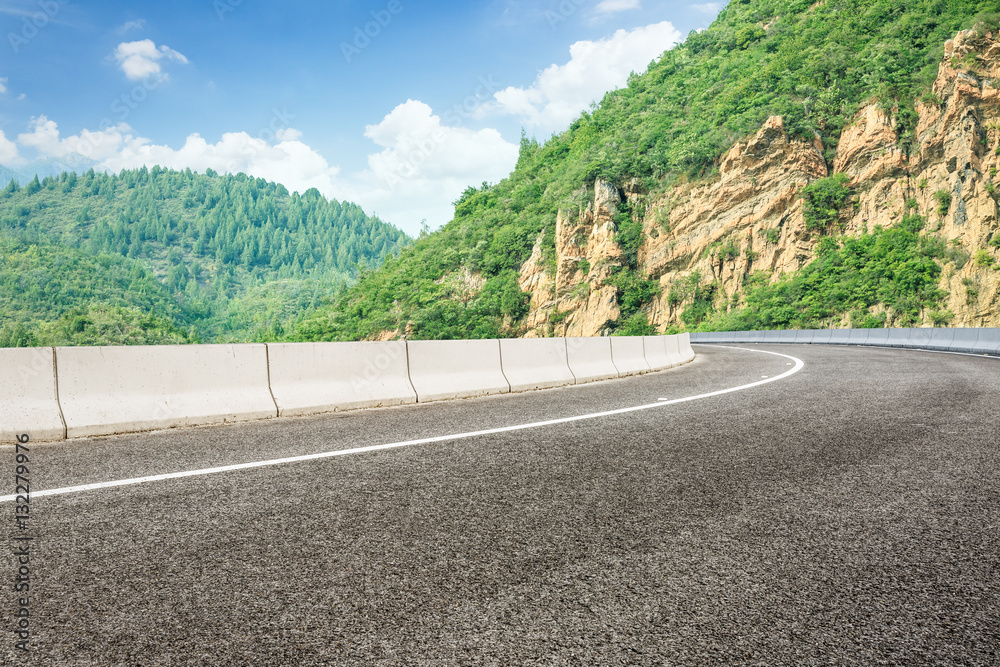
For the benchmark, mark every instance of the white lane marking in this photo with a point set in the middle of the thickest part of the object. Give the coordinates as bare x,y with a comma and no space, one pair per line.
409,443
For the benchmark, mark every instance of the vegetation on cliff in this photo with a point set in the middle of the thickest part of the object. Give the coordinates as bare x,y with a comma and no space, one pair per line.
812,63
895,269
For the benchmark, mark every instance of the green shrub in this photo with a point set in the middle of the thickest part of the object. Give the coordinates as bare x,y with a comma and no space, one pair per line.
628,235
724,250
824,199
895,269
633,291
701,307
862,319
941,318
912,222
943,198
971,291
983,258
635,325
559,316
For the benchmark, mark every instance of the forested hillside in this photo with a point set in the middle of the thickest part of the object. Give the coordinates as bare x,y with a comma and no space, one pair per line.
812,64
153,256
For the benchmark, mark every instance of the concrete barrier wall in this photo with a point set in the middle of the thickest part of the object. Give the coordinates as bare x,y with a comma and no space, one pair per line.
964,340
628,355
805,336
655,349
664,352
673,346
76,392
821,336
535,363
309,378
444,369
898,337
779,336
921,338
840,337
878,337
28,400
988,342
106,390
858,336
684,347
940,339
590,359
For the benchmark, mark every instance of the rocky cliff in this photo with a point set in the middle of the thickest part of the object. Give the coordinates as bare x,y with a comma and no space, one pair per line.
750,218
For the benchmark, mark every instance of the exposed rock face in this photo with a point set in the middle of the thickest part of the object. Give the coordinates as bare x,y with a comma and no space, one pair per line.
586,253
960,153
757,194
750,218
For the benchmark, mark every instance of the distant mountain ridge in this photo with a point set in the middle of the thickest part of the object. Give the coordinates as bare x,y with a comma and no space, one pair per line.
47,167
155,255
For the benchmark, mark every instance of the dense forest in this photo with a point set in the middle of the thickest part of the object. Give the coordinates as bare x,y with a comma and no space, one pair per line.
813,63
160,256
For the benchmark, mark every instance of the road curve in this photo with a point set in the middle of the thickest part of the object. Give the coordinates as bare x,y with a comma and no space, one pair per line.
846,514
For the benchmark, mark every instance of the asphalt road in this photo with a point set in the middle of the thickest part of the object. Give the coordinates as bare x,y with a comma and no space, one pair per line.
847,514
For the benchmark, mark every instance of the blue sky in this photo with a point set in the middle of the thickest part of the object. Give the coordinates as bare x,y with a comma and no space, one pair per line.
395,104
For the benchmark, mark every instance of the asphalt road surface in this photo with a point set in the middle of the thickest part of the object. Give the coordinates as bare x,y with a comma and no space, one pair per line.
848,513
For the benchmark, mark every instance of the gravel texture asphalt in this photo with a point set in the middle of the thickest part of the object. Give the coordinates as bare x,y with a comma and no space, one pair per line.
847,514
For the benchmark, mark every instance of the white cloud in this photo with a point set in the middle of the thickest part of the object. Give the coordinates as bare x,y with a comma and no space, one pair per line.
8,151
416,144
424,165
561,92
3,85
708,7
138,24
289,161
141,59
614,6
44,138
421,165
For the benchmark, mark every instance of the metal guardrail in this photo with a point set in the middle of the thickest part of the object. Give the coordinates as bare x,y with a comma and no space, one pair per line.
969,341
